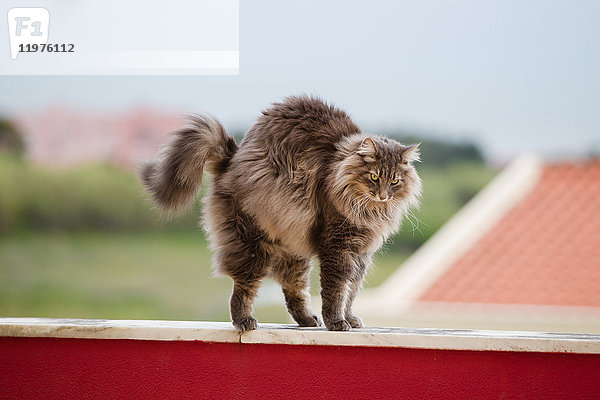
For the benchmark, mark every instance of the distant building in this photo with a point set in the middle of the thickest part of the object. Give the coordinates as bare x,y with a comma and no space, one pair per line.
61,136
523,254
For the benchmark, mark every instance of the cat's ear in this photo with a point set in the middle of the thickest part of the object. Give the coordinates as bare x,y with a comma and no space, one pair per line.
367,149
411,153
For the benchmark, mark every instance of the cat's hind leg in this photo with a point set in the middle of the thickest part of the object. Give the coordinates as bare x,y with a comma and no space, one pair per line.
293,274
246,262
240,304
241,254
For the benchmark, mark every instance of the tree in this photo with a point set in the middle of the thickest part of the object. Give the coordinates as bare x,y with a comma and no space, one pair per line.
10,140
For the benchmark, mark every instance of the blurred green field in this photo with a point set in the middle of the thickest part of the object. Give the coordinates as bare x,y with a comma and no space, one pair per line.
84,243
100,275
132,275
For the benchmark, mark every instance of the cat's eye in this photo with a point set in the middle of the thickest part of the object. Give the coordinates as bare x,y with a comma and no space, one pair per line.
374,177
395,181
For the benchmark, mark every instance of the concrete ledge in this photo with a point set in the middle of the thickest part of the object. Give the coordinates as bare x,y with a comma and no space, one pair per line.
223,332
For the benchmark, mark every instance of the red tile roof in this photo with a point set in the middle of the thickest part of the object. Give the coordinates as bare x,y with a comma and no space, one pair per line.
544,251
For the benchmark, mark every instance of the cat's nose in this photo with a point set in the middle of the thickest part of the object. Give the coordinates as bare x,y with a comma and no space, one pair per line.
383,196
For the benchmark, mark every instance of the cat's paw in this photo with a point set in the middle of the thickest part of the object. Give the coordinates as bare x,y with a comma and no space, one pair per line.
341,325
354,321
246,324
311,320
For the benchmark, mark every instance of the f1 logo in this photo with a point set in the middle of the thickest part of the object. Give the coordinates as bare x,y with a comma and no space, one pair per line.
27,26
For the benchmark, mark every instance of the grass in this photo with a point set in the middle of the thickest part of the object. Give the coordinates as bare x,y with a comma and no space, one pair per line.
131,275
110,276
89,197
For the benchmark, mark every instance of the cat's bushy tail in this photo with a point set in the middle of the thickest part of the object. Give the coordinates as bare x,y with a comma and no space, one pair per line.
173,180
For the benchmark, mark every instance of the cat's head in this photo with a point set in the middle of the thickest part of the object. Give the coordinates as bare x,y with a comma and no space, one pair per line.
376,174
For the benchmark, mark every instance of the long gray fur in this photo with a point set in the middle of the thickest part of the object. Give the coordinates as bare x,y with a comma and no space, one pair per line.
304,182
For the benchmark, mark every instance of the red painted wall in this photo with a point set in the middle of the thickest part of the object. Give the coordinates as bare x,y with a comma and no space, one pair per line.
47,368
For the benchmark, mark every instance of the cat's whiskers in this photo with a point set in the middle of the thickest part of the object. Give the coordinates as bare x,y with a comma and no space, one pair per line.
358,210
414,221
359,203
365,203
354,204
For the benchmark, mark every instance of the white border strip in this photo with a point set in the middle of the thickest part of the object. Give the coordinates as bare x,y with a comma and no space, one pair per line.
444,339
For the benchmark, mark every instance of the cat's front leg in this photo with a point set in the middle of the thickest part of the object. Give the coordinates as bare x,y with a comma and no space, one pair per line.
361,264
336,270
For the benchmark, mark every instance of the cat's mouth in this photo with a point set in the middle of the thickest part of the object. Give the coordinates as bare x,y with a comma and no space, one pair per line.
377,198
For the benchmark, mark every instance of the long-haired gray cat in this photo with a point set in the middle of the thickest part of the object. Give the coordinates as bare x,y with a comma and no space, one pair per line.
305,181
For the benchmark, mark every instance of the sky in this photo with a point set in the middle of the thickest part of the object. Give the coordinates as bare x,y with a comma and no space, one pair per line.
512,76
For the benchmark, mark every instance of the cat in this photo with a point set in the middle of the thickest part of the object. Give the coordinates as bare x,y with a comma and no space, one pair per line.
304,182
